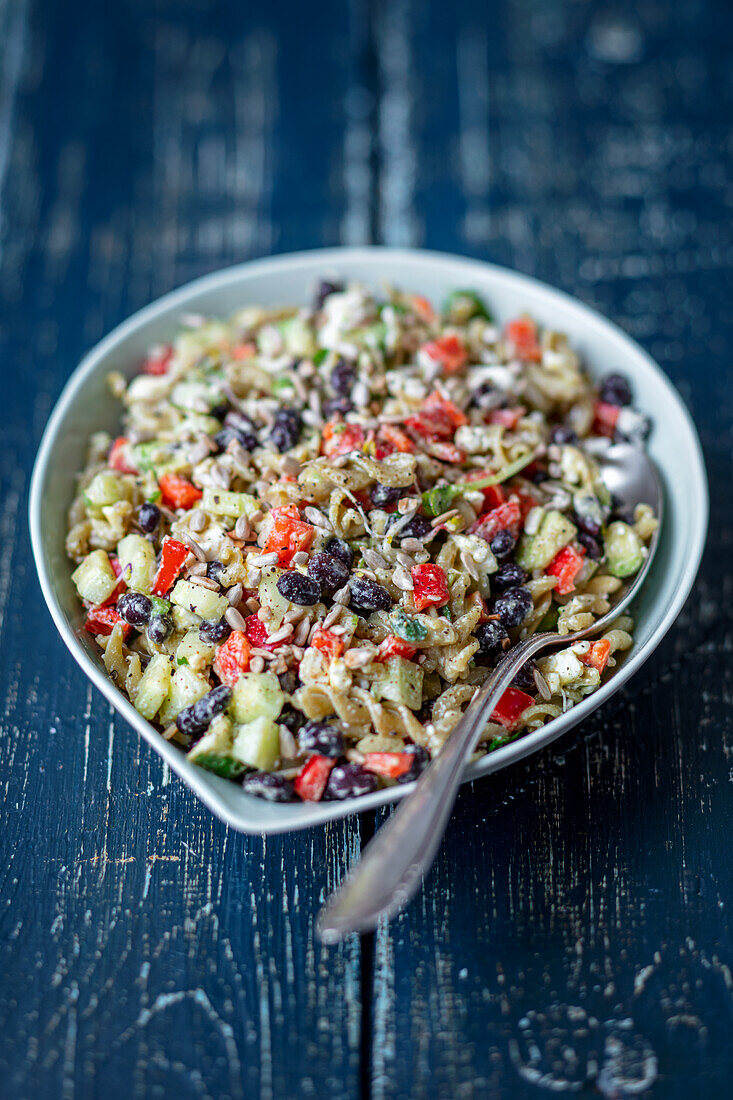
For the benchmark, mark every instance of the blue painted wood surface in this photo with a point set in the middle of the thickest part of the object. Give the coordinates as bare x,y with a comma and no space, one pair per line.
575,932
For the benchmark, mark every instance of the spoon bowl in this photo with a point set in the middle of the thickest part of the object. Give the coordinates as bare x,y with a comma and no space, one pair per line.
399,855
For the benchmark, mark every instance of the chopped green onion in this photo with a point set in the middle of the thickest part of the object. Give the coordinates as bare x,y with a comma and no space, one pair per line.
438,500
160,606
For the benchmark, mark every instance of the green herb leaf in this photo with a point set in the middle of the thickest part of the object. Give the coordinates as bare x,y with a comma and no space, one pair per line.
440,499
160,606
408,628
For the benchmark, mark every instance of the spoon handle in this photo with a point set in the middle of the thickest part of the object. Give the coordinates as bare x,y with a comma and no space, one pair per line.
394,862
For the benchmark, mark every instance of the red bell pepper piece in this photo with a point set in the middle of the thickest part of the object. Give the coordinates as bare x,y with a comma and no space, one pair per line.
119,456
526,502
179,492
232,658
522,334
438,418
494,494
243,351
511,707
508,418
256,632
605,419
449,350
288,534
566,565
311,780
172,556
389,764
447,452
330,644
393,437
120,588
159,360
422,307
339,438
392,646
505,517
431,586
598,654
102,619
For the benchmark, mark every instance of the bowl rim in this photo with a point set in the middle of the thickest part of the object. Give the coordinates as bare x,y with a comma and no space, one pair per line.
312,261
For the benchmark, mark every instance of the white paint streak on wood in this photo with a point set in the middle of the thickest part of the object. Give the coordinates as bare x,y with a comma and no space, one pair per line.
357,172
474,138
398,222
13,35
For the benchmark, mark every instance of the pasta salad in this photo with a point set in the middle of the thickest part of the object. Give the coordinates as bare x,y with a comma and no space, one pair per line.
322,527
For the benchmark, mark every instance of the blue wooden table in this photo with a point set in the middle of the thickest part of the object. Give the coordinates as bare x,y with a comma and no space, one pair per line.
575,933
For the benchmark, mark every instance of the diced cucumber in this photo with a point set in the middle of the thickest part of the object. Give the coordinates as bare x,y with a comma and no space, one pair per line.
194,652
186,687
105,488
270,597
183,620
196,396
537,551
154,686
151,455
298,337
371,336
199,600
400,681
214,750
137,560
462,305
257,743
95,578
624,549
256,694
222,502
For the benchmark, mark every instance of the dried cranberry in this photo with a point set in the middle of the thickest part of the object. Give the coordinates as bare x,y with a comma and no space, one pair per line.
563,434
340,550
214,569
342,378
508,575
270,786
330,572
148,517
349,781
368,596
214,631
525,680
502,544
324,289
513,607
385,494
193,720
322,738
419,765
299,588
593,548
286,429
246,437
159,628
135,608
491,638
615,390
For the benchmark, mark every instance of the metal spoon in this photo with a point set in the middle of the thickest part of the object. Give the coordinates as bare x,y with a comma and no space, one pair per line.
394,862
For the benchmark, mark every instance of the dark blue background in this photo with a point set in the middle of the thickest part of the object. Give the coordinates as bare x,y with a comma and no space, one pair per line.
577,921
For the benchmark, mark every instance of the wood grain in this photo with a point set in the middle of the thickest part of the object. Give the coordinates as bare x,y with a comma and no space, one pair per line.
574,935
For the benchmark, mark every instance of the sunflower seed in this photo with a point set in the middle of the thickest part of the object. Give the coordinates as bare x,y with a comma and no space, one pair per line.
412,546
252,605
358,658
300,637
288,748
469,565
542,685
204,582
243,528
301,558
373,559
405,505
264,559
234,595
402,579
195,548
333,615
317,518
405,559
445,516
280,635
342,596
235,620
197,520
264,614
257,664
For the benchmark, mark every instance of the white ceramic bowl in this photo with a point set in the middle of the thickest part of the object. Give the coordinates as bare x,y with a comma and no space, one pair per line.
85,404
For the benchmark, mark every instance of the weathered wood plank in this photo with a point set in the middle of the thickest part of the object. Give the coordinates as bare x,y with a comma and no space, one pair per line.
146,949
574,931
